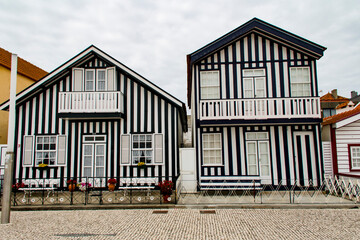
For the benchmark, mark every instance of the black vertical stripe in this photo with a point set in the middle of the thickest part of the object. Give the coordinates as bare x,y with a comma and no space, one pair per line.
281,71
230,155
166,133
131,117
235,80
111,134
273,76
145,110
300,159
227,87
139,113
152,112
174,144
286,155
238,151
44,112
257,50
308,156
278,156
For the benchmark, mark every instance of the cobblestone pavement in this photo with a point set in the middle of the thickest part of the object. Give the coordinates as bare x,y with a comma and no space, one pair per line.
185,224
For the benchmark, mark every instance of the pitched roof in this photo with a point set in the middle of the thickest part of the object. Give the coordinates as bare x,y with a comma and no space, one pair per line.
330,98
24,67
253,25
341,116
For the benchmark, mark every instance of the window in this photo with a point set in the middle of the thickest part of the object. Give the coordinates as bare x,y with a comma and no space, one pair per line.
142,148
355,157
212,149
300,81
254,83
45,151
258,158
94,155
101,80
209,85
89,80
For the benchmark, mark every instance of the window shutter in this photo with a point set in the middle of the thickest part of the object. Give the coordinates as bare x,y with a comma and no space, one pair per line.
125,146
28,151
158,149
78,79
61,150
110,72
3,155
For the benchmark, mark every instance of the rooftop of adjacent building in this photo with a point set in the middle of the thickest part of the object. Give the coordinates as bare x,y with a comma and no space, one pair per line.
24,67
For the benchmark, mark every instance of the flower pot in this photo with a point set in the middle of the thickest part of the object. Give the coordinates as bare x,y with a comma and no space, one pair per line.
71,187
111,187
166,198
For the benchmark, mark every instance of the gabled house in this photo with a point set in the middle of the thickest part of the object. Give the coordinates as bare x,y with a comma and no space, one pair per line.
255,108
94,117
341,140
330,102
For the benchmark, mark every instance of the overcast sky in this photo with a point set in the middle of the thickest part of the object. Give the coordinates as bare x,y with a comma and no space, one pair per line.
153,37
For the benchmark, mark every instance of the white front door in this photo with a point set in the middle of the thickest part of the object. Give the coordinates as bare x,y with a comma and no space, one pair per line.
188,170
94,160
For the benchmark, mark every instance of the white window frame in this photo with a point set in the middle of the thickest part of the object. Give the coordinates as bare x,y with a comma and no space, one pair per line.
206,87
105,79
3,149
146,149
355,159
205,149
294,81
94,140
86,80
253,75
46,151
257,138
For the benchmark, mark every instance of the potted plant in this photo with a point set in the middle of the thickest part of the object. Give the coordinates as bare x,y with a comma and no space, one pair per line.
166,188
83,186
141,165
71,184
16,186
111,182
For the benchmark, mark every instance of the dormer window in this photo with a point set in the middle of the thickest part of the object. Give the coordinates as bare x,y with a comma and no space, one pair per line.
90,79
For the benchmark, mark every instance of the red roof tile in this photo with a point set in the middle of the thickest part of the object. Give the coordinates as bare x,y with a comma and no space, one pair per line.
24,67
341,116
330,98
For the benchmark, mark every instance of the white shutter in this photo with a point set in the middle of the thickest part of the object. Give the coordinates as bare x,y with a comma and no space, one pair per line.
158,149
111,79
125,146
78,79
61,150
28,151
3,149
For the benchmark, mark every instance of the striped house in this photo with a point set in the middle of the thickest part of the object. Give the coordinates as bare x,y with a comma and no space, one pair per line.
255,108
94,117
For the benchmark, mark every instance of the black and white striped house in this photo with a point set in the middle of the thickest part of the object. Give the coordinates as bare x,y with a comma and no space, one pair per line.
95,117
255,108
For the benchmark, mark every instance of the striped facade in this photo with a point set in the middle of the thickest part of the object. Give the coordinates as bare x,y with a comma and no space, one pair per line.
292,143
145,110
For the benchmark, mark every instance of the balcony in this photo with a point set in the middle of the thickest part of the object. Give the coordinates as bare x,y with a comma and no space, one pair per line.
91,102
258,109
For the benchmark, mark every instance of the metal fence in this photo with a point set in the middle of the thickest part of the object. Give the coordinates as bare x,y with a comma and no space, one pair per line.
145,190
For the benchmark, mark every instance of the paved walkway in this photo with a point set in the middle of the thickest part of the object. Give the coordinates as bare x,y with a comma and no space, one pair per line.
184,224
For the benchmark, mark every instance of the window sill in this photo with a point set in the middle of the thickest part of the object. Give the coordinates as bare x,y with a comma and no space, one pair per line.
45,168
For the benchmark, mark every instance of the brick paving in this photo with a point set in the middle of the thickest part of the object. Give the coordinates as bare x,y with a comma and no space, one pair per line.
184,224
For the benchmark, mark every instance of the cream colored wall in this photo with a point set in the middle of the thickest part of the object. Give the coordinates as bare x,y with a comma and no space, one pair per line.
22,83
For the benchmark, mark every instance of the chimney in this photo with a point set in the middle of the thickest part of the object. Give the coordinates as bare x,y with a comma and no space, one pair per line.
353,94
334,93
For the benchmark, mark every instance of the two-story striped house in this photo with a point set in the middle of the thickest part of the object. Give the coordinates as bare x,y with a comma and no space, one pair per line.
255,108
94,117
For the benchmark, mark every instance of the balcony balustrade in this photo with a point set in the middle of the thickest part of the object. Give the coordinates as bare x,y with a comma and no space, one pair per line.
264,108
91,102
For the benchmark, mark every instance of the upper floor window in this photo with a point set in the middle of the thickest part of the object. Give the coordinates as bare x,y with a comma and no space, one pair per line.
209,85
94,79
355,157
300,81
254,83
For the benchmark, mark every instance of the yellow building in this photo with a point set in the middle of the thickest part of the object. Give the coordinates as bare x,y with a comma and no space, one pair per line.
27,75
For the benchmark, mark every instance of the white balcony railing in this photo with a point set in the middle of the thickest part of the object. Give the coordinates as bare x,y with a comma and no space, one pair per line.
91,102
267,108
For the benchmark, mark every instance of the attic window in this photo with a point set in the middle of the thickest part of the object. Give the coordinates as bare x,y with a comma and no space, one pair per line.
94,79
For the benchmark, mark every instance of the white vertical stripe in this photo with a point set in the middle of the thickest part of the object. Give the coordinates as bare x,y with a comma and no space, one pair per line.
128,109
276,51
199,152
261,55
110,133
136,108
97,127
318,134
222,56
73,141
170,143
238,51
149,112
163,130
40,113
268,53
273,152
286,79
54,106
246,52
234,152
298,57
142,112
85,127
242,150
313,160
156,112
304,159
104,127
239,80
225,151
282,157
269,78
17,148
47,110
223,81
291,155
91,127
277,75
122,83
313,77
27,116
67,84
253,56
230,54
33,117
215,57
78,152
116,144
231,81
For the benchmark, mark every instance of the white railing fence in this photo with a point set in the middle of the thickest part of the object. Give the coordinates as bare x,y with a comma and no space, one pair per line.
90,102
267,108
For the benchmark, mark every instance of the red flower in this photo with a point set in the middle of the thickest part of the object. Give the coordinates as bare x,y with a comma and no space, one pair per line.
18,185
112,181
71,181
166,187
